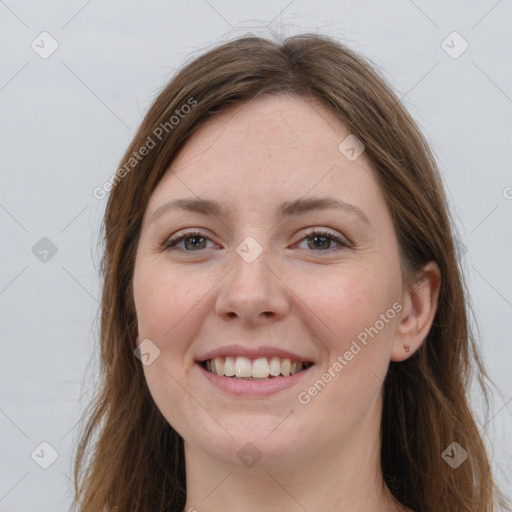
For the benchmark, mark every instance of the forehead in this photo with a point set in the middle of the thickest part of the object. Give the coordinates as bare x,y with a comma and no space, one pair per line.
271,147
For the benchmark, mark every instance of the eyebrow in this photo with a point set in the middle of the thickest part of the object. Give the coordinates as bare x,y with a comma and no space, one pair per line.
286,209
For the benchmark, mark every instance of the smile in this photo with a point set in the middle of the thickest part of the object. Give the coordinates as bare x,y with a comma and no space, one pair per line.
257,377
254,369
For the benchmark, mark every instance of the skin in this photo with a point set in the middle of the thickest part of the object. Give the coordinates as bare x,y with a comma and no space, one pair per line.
312,298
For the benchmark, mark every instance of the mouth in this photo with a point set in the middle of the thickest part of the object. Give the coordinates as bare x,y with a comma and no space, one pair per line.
258,369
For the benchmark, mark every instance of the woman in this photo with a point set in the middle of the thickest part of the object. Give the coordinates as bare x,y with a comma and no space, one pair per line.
284,324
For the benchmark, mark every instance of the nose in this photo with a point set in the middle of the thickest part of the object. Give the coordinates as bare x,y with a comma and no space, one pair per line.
253,292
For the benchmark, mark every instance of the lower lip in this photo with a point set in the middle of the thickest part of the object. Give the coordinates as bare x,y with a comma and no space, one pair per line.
240,387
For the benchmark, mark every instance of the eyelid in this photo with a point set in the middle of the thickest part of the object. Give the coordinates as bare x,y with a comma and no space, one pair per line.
169,243
180,235
335,235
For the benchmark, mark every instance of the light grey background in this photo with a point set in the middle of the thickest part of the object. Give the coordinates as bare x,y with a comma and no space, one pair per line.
66,120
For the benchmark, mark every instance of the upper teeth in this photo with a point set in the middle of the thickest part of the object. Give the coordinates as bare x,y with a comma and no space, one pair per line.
259,368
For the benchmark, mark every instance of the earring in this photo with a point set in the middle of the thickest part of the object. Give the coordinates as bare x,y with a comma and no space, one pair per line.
407,347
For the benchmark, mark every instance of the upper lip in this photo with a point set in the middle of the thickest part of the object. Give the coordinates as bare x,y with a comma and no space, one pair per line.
251,353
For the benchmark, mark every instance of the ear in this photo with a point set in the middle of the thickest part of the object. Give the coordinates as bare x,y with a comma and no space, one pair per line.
417,315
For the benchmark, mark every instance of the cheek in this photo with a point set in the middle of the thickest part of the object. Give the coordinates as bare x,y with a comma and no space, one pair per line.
358,340
162,297
345,303
165,301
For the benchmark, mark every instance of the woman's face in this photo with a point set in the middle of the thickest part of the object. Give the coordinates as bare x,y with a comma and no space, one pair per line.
256,282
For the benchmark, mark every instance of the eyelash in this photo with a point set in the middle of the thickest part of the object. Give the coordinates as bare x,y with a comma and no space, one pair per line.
170,244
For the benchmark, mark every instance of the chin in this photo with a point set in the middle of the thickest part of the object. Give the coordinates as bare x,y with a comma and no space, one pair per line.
250,448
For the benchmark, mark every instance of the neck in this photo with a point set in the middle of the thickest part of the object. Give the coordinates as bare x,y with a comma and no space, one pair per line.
345,477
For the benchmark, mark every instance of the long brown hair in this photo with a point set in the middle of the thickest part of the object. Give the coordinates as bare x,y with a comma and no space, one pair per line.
128,457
